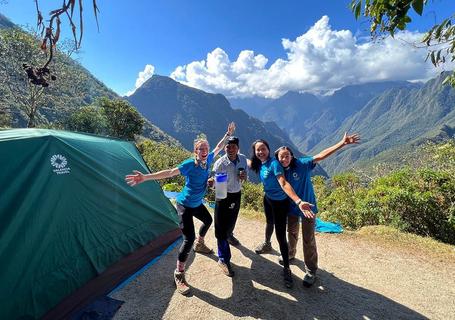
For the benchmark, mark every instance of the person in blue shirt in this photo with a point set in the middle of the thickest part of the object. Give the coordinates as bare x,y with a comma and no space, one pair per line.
189,202
276,203
298,172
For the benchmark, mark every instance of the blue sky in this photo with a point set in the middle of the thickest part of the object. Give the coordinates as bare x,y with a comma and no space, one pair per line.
237,47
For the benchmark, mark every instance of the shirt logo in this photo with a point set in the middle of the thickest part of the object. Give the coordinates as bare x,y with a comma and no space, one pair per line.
59,162
295,176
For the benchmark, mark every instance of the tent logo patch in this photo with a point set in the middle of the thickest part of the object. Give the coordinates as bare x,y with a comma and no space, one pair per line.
59,162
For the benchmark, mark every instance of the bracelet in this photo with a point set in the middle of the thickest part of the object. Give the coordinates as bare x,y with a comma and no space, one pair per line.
298,202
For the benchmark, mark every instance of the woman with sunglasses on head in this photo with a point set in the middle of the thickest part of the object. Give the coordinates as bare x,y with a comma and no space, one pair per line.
298,172
189,202
276,202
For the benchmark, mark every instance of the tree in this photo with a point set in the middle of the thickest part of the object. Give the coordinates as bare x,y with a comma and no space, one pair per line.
17,92
88,119
122,118
388,16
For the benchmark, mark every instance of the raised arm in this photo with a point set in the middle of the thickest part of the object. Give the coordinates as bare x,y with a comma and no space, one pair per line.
347,139
220,145
138,177
305,207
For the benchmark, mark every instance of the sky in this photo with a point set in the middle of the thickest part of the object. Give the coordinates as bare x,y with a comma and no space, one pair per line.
241,48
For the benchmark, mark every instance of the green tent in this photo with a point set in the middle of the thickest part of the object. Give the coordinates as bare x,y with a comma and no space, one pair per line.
68,219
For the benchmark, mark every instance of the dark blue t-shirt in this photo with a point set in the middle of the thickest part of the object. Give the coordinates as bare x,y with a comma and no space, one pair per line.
268,175
300,180
195,182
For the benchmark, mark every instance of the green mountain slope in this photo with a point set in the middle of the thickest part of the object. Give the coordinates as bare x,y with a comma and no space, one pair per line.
75,86
395,118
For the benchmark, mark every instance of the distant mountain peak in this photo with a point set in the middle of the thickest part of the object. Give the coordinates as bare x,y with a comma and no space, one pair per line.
5,22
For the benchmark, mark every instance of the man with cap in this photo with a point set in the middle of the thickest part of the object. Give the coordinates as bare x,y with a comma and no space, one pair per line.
227,210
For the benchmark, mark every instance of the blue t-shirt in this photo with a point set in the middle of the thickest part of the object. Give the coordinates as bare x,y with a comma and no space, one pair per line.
300,180
195,182
268,175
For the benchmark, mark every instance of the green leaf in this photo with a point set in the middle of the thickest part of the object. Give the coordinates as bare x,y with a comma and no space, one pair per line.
418,6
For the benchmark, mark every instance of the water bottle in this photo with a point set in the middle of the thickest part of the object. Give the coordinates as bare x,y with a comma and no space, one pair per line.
221,185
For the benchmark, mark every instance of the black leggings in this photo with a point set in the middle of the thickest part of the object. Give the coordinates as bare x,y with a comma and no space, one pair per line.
276,212
186,215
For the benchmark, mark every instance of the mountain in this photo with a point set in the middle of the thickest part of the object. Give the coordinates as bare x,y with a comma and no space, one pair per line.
254,106
185,112
5,22
308,118
397,117
75,86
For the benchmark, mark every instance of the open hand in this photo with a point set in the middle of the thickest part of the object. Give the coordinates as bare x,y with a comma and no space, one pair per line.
231,128
134,179
350,139
305,207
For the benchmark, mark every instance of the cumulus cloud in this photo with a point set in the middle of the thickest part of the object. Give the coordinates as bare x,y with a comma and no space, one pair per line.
319,60
142,77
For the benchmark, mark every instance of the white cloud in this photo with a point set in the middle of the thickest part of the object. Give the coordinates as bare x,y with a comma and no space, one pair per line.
142,77
320,59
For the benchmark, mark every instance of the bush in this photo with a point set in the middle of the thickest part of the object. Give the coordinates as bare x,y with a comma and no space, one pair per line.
252,196
418,200
160,156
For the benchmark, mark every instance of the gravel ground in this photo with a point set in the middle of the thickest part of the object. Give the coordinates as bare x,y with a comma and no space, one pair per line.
357,279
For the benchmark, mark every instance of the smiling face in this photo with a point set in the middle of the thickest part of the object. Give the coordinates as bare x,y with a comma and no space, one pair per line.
261,151
284,157
201,150
231,150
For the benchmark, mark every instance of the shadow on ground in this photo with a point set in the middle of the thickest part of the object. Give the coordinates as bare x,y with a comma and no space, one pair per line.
257,291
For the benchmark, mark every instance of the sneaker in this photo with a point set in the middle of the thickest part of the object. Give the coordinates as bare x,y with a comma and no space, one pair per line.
200,247
226,268
287,277
180,282
280,260
309,279
265,247
233,241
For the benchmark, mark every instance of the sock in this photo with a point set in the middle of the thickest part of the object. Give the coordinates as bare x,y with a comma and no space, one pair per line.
180,266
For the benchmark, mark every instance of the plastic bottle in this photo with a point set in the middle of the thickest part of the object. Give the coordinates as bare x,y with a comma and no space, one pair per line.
221,185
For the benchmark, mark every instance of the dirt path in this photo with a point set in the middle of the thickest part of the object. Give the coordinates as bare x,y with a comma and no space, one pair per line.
358,279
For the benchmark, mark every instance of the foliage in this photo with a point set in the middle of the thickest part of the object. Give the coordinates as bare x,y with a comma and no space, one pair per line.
252,196
160,156
122,118
88,119
115,118
32,105
418,198
386,16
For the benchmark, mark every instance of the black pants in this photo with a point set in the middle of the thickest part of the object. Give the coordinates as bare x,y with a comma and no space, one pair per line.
226,213
186,224
276,212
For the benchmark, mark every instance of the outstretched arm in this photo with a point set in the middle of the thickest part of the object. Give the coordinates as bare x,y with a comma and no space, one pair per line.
220,145
347,139
305,207
138,177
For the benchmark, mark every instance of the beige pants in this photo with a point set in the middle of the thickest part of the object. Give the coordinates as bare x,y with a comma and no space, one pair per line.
310,253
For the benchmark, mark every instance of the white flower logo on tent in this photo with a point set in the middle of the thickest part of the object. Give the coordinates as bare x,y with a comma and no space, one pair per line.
58,161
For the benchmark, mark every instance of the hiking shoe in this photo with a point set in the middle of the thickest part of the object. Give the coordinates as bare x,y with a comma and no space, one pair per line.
287,277
233,241
180,282
226,268
265,247
200,247
280,260
309,279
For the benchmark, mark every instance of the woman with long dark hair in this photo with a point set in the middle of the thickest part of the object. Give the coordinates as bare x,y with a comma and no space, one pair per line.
276,202
298,172
189,202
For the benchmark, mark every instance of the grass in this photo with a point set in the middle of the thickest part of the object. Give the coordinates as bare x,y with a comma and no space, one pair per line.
414,244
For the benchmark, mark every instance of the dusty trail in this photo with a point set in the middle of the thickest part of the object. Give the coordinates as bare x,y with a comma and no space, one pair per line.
358,279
